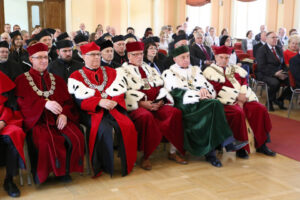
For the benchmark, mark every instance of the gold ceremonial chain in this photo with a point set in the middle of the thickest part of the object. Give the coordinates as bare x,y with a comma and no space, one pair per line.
44,94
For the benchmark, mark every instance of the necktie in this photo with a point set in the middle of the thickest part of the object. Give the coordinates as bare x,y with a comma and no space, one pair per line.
43,83
275,54
205,52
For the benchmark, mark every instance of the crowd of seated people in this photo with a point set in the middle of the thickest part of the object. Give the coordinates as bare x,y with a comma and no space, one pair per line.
131,93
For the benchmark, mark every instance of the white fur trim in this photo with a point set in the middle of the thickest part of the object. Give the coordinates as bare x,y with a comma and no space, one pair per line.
190,97
79,89
163,93
118,86
132,98
211,74
227,95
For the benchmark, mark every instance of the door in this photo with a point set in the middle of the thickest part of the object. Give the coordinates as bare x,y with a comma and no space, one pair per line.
55,16
35,15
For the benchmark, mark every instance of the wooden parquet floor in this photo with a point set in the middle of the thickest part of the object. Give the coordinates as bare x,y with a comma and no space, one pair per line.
258,178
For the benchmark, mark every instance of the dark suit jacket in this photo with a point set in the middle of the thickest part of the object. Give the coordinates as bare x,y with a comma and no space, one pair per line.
197,55
267,64
256,47
257,37
86,33
295,69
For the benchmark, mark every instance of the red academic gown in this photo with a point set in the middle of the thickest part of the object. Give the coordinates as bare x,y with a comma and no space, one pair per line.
153,126
13,119
90,105
256,114
48,141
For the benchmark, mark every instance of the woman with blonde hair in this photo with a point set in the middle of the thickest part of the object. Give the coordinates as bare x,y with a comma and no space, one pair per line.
292,49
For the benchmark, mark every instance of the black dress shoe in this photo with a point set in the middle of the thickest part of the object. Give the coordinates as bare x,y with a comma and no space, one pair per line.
65,179
280,104
271,108
214,161
265,150
242,153
11,188
235,145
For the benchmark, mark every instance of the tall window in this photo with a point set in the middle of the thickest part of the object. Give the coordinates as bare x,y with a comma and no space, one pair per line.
199,16
248,16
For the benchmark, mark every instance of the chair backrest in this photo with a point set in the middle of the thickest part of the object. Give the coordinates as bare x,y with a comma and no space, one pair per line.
237,46
163,52
292,80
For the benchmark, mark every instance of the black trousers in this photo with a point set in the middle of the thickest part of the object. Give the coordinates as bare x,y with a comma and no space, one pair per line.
10,156
103,154
274,86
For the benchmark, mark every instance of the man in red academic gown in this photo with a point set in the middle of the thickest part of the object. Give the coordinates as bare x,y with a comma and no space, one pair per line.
146,98
56,141
240,102
11,134
100,95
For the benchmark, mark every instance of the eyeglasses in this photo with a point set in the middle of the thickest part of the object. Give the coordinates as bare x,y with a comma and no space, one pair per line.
137,54
273,37
67,51
4,52
93,54
152,48
40,57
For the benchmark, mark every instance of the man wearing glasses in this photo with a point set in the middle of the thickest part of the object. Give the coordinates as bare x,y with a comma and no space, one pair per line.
7,66
146,100
55,142
64,65
99,92
272,70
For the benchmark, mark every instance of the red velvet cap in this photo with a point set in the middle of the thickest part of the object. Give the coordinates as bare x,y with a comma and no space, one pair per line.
92,46
37,48
134,46
222,50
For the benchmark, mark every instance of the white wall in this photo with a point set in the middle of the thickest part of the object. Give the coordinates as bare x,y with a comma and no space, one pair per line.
15,12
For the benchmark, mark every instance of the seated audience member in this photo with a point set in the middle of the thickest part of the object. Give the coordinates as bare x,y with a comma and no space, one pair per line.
263,40
205,125
7,28
233,59
79,41
100,94
152,57
55,142
120,55
17,52
64,65
201,55
223,32
272,70
25,36
292,49
130,38
82,31
164,43
240,102
130,30
262,28
5,37
282,38
212,39
293,31
8,66
63,36
248,43
295,67
45,37
146,100
107,55
11,135
179,40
